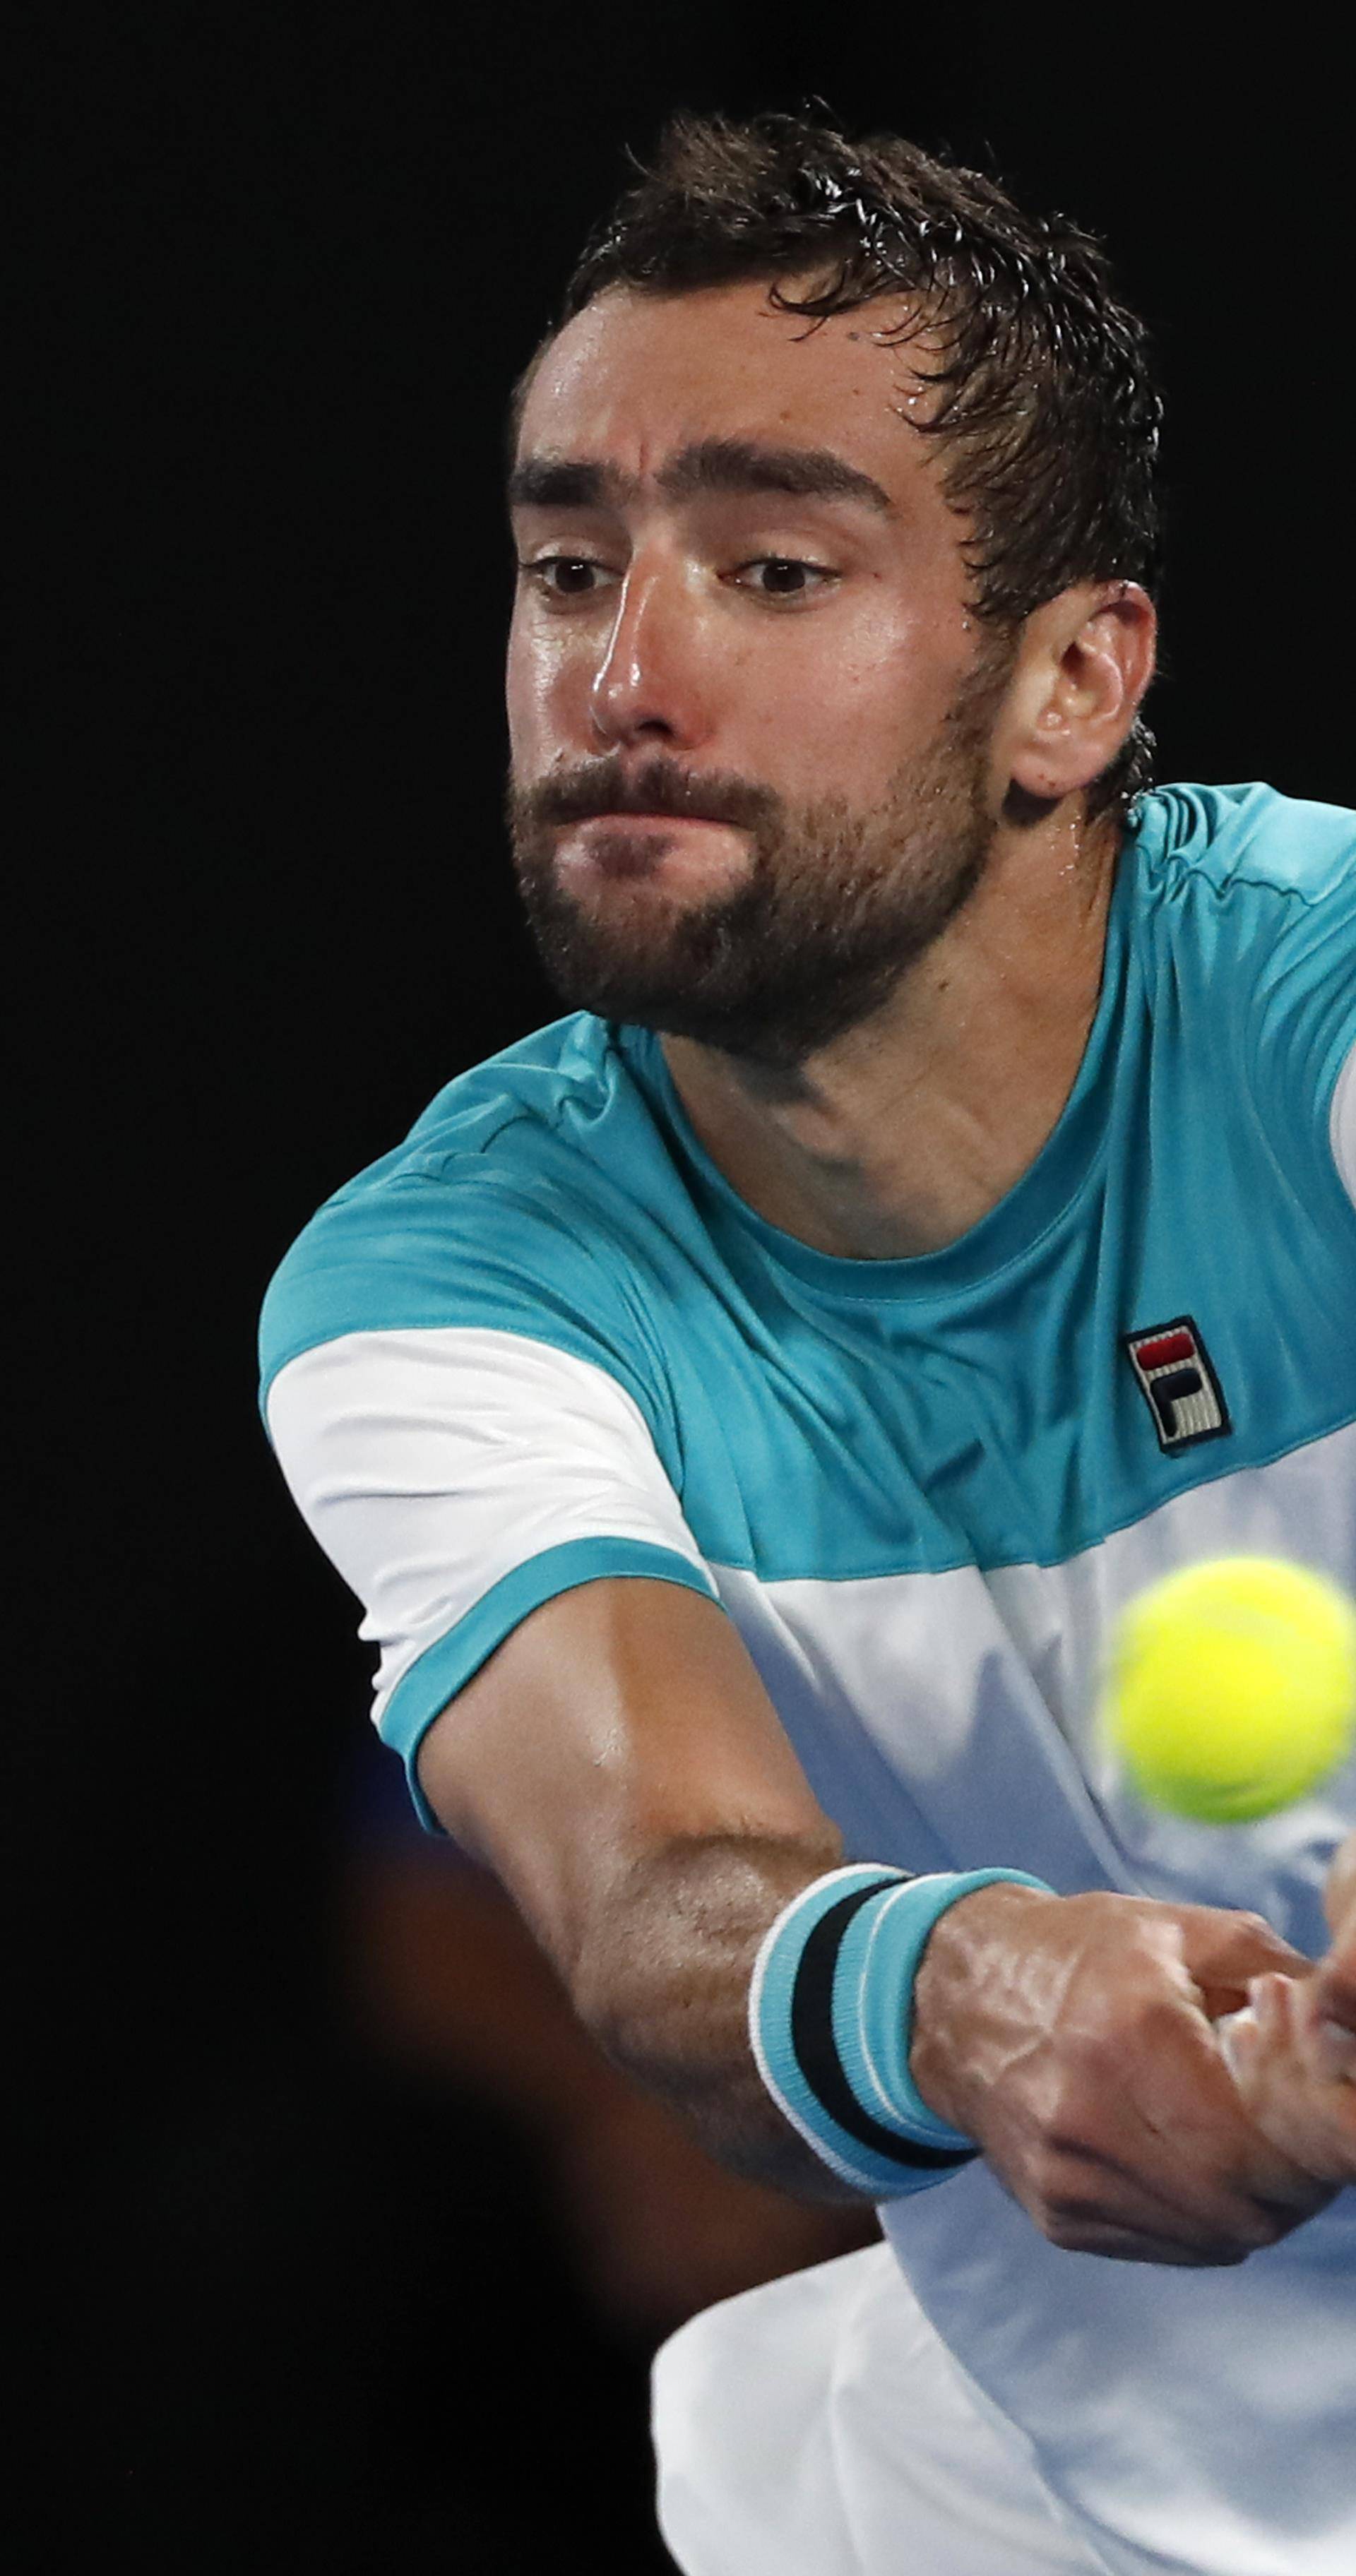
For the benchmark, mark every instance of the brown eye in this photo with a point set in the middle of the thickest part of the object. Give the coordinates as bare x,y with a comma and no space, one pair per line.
784,578
562,576
787,577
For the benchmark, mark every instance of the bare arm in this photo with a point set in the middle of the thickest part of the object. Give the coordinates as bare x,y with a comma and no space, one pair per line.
619,1764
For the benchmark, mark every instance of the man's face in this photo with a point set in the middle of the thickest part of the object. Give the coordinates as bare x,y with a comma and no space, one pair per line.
750,715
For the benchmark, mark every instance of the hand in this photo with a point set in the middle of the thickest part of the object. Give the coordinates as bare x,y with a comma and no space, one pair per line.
1294,2053
1072,2037
1339,1896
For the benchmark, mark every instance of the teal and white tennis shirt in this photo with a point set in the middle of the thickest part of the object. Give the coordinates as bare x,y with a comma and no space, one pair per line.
544,1341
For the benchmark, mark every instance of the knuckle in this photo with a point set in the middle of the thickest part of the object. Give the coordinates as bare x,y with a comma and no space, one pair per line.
1069,2120
1243,2232
1069,2218
1261,2226
1054,2195
1069,2209
1046,2177
1071,2235
1157,2022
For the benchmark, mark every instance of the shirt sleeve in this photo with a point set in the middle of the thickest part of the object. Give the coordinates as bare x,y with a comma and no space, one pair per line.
459,1473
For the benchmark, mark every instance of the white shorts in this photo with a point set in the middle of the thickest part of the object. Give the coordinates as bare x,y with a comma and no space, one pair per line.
777,2425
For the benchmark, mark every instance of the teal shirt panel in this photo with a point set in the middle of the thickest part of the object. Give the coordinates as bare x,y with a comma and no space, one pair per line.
829,1419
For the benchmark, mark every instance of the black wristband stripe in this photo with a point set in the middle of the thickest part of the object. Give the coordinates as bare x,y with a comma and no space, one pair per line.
816,2050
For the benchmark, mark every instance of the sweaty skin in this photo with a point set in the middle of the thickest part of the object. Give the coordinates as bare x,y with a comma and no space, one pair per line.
657,623
617,1759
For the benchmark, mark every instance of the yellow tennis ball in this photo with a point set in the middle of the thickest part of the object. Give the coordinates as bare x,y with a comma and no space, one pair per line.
1231,1687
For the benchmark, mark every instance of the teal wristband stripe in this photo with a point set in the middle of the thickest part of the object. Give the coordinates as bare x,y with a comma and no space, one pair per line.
830,2012
879,2027
772,1999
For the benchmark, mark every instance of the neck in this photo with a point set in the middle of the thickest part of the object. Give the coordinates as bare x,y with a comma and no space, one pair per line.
902,1134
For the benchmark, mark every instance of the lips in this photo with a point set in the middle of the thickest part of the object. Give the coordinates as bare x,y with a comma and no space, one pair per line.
649,814
614,845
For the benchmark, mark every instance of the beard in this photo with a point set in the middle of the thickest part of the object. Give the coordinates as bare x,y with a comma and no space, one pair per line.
836,905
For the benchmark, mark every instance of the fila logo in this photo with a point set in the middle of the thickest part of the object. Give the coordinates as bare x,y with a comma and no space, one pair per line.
1179,1385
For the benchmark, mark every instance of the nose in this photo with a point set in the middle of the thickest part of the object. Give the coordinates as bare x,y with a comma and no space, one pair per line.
651,682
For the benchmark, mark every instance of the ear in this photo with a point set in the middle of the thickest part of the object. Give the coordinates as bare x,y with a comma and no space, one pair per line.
1083,665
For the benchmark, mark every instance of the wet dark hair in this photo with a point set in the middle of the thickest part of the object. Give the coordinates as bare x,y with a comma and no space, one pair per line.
1046,410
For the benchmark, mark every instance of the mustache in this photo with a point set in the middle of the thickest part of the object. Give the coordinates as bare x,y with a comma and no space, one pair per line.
661,787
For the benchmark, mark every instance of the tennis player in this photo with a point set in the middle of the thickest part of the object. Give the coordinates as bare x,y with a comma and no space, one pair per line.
742,1406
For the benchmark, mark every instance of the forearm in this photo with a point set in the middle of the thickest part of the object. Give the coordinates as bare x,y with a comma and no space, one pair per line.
619,1765
663,1979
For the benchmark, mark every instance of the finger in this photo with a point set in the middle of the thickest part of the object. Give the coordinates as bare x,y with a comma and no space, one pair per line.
1101,2205
1223,1952
1326,2039
1267,2000
1334,1988
1216,2225
1128,2245
1236,2035
1291,2091
1339,1893
1334,2051
1202,2152
1283,2011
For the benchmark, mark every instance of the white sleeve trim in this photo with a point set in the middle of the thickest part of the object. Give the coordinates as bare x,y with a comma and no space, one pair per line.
1342,1126
430,1463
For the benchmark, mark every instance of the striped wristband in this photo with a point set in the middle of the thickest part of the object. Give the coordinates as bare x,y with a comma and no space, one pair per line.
830,2019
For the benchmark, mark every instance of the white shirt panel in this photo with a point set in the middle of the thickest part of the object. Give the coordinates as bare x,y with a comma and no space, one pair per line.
818,2426
1248,2470
979,1690
429,1463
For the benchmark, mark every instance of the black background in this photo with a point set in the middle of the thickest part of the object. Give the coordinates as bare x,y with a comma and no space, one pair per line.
279,267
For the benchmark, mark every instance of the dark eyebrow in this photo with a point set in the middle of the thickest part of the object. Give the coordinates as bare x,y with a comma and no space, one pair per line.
711,465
